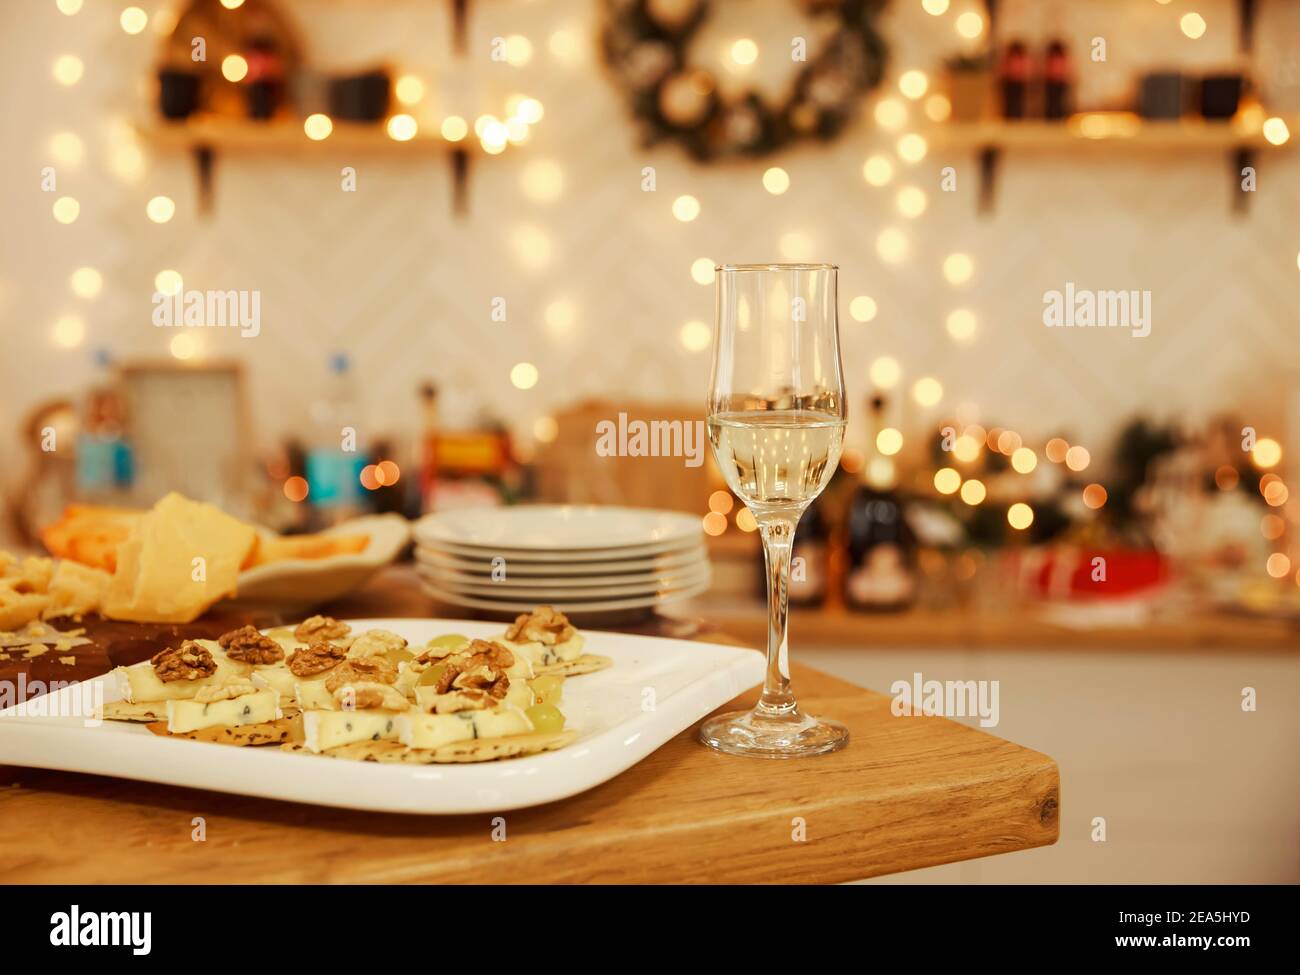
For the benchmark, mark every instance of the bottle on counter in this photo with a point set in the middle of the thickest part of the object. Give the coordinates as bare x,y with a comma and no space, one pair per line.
337,453
880,564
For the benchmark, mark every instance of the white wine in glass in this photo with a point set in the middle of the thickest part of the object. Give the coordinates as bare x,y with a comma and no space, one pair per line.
776,422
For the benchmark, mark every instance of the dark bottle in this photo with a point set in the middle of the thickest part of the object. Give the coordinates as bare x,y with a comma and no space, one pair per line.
1057,79
880,570
1014,74
810,560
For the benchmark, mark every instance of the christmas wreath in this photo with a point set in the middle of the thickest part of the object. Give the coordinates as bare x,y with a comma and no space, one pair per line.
646,44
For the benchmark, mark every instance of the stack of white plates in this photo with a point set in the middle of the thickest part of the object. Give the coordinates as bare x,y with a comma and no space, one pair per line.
579,559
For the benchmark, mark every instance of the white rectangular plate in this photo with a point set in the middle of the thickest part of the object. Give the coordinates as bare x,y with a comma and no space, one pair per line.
656,689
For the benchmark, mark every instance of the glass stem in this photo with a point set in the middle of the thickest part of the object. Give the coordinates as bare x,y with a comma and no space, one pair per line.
777,532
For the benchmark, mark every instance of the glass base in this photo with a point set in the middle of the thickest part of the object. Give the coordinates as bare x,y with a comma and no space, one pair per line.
791,735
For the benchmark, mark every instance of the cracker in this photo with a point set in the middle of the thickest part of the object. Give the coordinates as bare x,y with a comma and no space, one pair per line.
262,733
144,711
479,750
588,663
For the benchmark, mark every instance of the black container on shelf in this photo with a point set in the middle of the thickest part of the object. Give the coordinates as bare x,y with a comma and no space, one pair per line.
178,94
1013,78
1162,95
360,98
1057,82
1220,95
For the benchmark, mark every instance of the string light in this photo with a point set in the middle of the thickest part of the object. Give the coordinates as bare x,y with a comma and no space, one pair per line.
232,4
714,524
409,89
966,448
1226,478
318,126
523,375
885,372
1278,565
526,109
890,114
168,282
938,108
86,282
68,69
543,180
961,324
889,441
862,308
695,336
746,521
970,25
1272,527
402,128
912,148
518,50
1020,516
722,502
744,52
946,480
561,316
1276,131
1192,24
686,208
1023,460
702,270
160,209
454,128
295,489
911,201
68,7
184,346
1056,450
776,180
1094,496
1266,453
913,84
878,171
234,67
1077,458
935,8
545,429
69,331
66,209
891,245
66,148
958,268
973,492
1008,442
133,20
927,391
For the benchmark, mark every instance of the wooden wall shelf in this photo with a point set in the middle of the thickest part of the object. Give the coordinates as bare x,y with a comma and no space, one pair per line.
1110,131
206,139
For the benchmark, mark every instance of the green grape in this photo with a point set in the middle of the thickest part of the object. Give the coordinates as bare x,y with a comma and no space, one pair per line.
546,718
399,655
431,675
449,641
549,689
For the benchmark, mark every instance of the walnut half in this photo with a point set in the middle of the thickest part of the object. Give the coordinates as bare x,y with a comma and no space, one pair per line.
315,658
543,625
225,692
375,670
247,645
189,661
316,629
364,695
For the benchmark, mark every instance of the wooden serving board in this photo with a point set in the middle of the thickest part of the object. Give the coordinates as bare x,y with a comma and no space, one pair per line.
906,793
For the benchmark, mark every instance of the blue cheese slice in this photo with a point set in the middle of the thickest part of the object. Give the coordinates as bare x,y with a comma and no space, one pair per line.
416,730
251,708
518,695
329,729
541,655
139,684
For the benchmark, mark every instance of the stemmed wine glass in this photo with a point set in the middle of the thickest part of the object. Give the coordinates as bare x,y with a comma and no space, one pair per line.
776,422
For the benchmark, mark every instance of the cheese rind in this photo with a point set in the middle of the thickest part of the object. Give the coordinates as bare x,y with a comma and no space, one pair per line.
140,684
329,729
251,708
435,730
